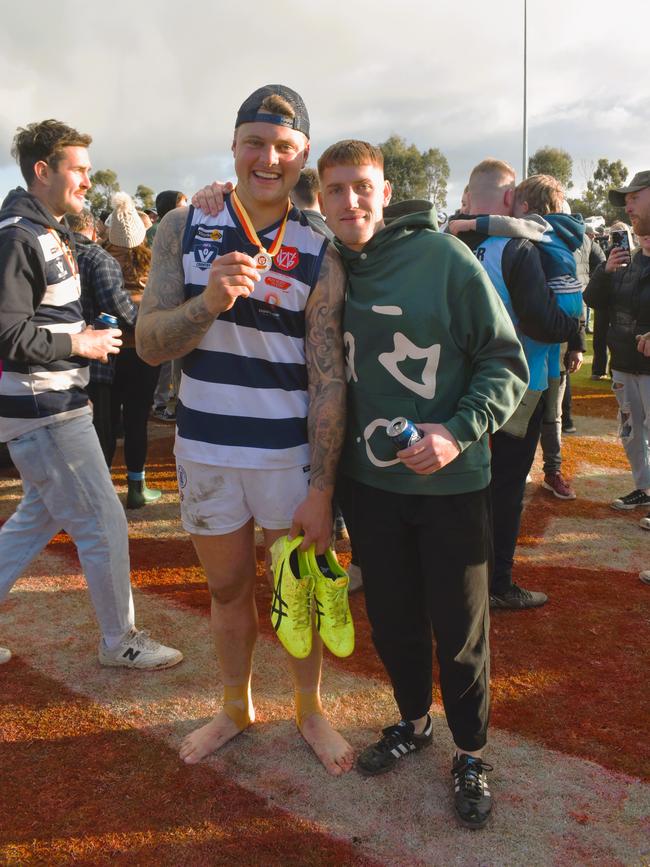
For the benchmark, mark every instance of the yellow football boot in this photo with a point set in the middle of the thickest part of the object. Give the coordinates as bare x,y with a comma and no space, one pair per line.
333,617
291,605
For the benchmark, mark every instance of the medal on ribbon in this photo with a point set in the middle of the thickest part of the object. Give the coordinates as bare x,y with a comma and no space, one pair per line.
264,259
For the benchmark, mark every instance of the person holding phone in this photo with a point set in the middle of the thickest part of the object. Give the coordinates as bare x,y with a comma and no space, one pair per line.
621,288
620,239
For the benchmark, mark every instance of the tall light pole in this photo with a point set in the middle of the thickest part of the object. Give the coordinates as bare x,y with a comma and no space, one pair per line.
524,169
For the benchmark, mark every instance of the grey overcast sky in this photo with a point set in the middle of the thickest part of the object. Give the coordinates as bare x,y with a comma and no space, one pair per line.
157,84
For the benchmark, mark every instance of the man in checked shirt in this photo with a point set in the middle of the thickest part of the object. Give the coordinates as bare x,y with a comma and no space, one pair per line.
102,291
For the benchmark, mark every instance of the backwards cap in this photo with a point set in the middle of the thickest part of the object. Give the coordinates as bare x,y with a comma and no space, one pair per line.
249,111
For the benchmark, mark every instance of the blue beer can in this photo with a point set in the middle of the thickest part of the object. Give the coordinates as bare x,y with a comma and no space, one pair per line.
403,433
105,320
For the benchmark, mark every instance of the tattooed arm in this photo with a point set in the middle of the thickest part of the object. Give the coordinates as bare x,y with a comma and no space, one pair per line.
326,419
168,326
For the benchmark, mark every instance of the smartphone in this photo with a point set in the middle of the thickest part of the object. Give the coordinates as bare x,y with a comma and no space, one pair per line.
620,238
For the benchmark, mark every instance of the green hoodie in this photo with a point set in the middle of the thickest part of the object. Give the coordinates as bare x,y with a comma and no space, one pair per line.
427,337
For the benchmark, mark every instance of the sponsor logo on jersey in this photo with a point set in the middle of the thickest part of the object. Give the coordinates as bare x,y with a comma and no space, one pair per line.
288,258
208,233
277,283
272,298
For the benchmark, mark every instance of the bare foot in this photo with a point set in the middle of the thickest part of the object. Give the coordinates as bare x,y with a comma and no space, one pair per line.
209,738
331,748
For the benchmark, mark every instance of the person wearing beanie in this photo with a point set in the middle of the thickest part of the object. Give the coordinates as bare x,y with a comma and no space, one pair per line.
135,381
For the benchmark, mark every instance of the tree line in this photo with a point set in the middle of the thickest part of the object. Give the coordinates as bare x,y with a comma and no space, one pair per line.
105,183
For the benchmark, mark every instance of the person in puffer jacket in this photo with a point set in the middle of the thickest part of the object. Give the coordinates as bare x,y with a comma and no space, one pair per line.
622,291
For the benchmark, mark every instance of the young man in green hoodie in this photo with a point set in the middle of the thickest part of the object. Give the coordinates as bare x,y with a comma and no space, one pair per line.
427,338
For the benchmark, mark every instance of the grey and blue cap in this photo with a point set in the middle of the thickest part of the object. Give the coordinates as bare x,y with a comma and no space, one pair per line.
249,111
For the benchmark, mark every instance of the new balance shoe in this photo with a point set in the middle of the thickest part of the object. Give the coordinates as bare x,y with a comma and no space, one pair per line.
644,523
138,650
396,742
472,798
631,501
558,485
293,586
645,576
5,655
331,606
515,598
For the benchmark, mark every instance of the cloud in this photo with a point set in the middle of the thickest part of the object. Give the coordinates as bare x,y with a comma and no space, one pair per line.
158,85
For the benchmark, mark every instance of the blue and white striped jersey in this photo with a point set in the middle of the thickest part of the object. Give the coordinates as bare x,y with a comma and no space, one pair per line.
243,397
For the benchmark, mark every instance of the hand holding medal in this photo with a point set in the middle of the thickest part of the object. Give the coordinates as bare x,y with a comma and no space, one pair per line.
231,276
264,259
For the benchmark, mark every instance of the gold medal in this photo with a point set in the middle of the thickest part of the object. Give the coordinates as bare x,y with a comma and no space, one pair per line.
263,259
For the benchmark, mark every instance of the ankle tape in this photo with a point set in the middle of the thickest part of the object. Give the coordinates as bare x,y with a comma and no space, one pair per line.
307,703
232,695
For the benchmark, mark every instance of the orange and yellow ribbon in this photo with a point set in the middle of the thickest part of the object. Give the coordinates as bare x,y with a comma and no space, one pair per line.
251,234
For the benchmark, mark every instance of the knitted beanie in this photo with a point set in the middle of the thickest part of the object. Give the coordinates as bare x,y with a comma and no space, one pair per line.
126,229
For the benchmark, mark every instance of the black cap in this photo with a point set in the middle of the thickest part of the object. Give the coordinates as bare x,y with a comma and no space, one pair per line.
249,111
639,182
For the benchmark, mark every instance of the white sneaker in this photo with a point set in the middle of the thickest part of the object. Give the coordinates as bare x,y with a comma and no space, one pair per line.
137,650
5,655
645,576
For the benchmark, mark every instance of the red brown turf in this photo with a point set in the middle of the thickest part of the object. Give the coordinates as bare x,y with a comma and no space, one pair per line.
569,675
593,403
108,796
564,675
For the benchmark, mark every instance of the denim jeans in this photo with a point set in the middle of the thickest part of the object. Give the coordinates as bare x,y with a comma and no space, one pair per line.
632,392
551,437
67,485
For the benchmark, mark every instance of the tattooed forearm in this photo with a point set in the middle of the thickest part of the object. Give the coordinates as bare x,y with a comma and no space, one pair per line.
326,373
168,326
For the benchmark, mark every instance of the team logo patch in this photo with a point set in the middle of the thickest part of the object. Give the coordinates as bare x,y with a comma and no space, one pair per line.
272,298
216,235
204,254
277,284
288,258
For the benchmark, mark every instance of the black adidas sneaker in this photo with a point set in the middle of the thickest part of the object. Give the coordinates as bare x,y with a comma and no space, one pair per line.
396,742
472,797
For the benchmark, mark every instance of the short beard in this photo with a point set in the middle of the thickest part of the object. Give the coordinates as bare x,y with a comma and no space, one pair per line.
641,225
